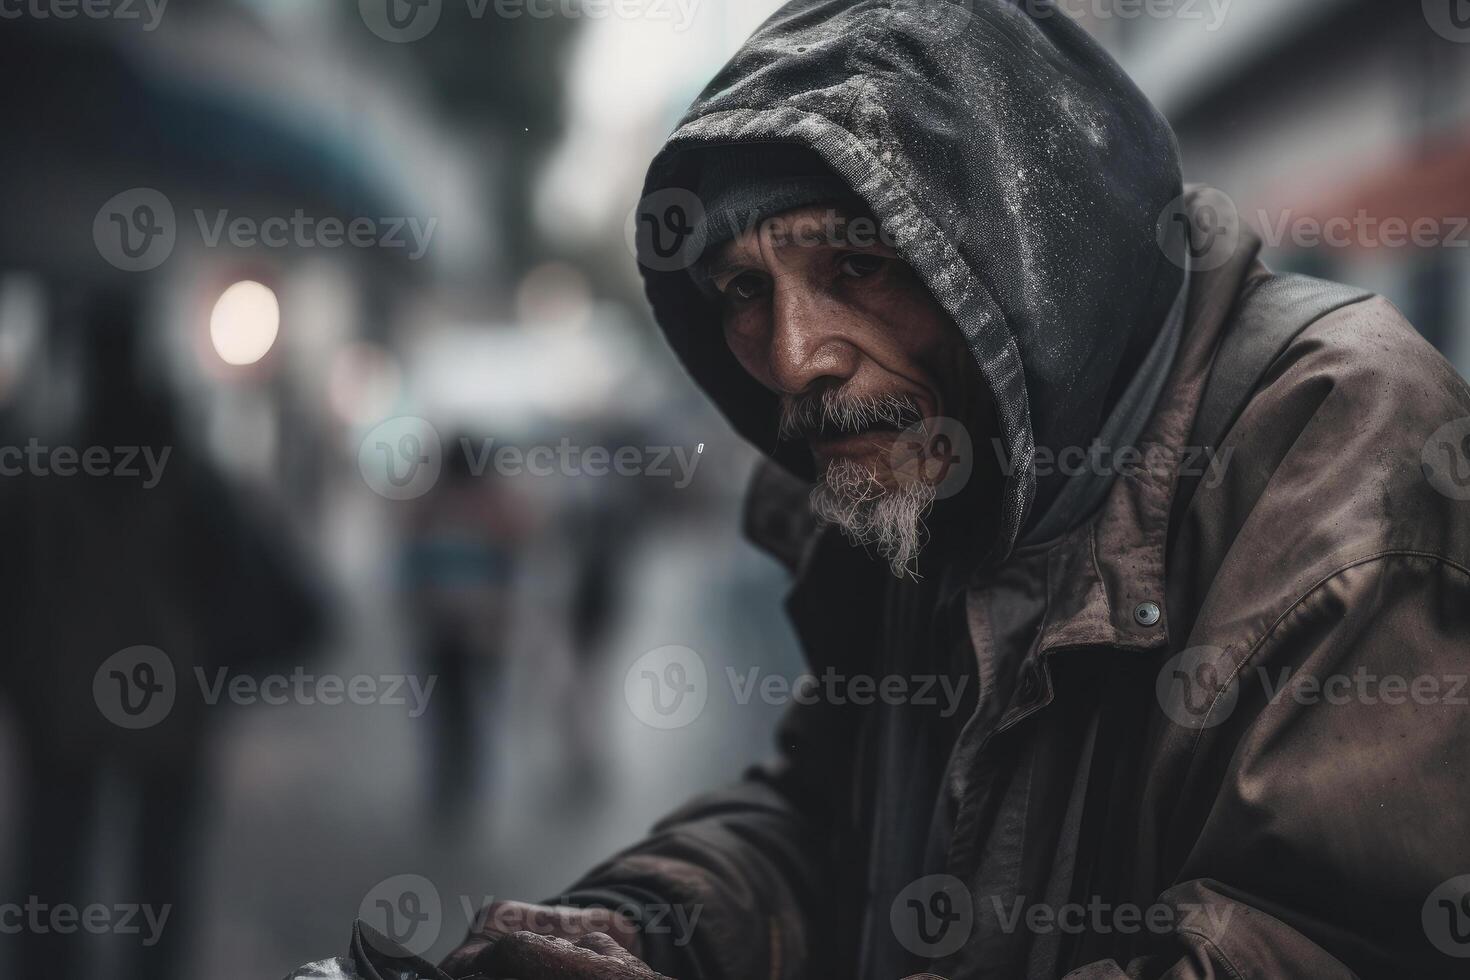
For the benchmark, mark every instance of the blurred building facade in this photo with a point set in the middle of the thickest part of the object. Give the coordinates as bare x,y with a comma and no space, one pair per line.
1315,110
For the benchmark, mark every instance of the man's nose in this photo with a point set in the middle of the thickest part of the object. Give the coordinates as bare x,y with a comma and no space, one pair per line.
808,342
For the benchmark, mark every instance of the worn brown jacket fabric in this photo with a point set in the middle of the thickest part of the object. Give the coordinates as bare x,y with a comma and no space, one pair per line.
1269,782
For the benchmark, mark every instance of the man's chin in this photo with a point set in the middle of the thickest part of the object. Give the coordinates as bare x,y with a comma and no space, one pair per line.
872,466
886,519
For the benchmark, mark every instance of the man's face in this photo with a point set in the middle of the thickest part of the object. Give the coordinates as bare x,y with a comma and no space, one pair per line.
831,320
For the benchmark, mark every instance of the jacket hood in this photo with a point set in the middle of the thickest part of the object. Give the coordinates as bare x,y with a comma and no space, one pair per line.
1007,158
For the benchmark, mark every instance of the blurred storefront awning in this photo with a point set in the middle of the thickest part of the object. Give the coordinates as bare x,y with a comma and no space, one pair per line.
1432,185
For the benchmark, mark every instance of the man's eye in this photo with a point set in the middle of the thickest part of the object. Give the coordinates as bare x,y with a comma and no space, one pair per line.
745,288
860,265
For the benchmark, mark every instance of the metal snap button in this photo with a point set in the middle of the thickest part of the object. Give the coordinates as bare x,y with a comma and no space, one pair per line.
1147,614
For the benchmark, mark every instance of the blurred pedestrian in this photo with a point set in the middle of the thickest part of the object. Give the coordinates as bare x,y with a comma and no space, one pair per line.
152,553
460,561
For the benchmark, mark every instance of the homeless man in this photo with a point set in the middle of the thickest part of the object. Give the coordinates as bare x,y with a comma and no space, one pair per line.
1148,777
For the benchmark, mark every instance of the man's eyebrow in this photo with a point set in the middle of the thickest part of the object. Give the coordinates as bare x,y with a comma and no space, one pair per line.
719,265
862,231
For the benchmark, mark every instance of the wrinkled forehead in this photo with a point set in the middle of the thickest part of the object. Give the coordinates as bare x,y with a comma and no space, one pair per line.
835,226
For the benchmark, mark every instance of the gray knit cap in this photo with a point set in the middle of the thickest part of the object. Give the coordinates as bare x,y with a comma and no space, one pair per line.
742,185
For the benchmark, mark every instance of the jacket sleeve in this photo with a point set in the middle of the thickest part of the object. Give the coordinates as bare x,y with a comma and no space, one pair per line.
1328,780
737,883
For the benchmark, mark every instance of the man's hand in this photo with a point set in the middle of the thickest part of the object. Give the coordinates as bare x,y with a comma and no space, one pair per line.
527,956
515,926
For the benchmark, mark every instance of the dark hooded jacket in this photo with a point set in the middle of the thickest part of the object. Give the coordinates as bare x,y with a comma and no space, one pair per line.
1008,159
1136,787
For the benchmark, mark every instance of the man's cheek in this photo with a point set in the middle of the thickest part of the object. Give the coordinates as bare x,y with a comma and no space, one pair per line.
744,342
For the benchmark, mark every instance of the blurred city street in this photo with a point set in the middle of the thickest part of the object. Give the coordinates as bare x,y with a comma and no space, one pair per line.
332,801
319,267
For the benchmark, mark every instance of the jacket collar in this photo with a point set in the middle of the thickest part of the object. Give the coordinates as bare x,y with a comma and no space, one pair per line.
1106,577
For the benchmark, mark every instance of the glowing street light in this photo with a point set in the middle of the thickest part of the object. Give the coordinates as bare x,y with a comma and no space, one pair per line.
245,322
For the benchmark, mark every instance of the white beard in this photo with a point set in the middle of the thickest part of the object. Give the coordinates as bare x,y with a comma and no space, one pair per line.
890,521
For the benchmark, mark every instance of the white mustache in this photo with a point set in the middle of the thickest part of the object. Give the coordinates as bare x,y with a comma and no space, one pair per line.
834,411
